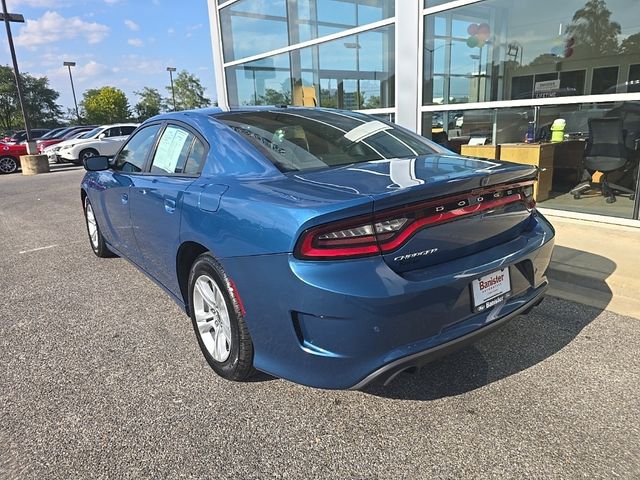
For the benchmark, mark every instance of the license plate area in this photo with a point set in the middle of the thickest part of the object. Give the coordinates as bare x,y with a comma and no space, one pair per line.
490,290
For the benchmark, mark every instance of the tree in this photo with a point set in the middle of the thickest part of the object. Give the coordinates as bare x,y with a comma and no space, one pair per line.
274,97
594,33
40,101
189,92
631,44
373,101
105,105
150,104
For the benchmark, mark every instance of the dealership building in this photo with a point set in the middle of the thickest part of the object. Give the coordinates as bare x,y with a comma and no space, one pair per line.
480,77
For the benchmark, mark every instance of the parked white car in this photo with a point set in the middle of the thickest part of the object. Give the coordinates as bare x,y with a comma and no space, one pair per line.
105,140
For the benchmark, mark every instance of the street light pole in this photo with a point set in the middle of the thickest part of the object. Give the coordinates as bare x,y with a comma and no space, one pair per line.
173,92
7,17
73,90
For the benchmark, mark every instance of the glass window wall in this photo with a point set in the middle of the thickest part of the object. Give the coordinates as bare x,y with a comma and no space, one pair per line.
264,82
251,27
511,49
355,72
597,145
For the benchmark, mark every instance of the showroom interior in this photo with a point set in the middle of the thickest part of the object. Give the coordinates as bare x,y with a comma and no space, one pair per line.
555,84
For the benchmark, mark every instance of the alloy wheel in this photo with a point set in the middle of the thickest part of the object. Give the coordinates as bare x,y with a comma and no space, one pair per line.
87,154
8,165
212,318
92,225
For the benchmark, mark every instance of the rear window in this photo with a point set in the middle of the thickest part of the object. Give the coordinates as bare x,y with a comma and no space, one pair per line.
318,139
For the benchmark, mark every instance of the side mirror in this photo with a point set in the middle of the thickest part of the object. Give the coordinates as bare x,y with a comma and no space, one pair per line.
102,135
96,163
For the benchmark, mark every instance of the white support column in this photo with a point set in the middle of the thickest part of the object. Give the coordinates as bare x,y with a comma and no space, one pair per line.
408,17
218,55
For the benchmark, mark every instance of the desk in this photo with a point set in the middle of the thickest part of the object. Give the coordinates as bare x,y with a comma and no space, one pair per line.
481,151
538,154
560,163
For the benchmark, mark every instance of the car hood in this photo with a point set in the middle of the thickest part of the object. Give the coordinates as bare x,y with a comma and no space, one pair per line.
75,141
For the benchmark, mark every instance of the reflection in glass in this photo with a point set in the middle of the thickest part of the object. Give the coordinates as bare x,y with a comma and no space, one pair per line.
509,49
489,126
264,82
356,72
251,27
246,21
567,168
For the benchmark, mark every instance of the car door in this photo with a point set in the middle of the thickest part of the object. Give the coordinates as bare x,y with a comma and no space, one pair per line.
125,170
156,200
110,141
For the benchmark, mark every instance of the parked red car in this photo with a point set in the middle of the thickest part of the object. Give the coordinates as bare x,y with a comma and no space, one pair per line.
10,157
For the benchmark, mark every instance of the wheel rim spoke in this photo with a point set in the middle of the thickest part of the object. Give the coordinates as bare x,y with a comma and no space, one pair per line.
92,225
212,318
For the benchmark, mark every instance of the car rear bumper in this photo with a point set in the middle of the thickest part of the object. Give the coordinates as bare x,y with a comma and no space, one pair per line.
343,324
388,372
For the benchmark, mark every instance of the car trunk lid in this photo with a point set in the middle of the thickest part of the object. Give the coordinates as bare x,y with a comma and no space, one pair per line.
445,205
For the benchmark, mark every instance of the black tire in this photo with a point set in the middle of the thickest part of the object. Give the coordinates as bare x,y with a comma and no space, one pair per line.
84,154
8,164
239,364
98,246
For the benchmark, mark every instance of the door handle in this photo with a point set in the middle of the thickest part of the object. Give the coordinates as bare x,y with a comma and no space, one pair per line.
169,205
124,199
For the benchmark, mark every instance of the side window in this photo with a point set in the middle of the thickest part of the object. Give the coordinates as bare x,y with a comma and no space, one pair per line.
134,154
196,158
127,130
112,132
173,149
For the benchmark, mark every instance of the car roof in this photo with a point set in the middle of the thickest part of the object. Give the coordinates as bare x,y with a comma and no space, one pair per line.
111,125
215,111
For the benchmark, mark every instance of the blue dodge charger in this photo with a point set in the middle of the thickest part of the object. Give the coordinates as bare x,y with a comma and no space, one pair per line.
322,246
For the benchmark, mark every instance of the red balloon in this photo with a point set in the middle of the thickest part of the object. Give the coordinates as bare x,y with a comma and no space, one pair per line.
484,29
472,29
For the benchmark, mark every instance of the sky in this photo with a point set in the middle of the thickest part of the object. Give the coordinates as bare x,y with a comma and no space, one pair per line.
122,43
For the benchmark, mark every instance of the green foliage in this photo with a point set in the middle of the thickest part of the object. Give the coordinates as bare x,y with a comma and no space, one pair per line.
189,92
105,105
373,101
151,103
274,97
594,32
631,44
40,101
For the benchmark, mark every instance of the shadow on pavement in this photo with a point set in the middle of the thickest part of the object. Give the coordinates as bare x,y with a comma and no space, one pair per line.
522,343
64,167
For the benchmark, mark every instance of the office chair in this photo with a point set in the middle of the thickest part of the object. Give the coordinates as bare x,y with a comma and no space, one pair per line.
606,152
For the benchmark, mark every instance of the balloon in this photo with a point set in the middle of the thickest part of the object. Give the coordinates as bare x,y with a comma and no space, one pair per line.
481,43
557,51
484,36
568,52
472,29
472,42
484,28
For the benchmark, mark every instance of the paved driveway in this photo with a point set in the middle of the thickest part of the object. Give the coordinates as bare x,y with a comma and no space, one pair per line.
101,377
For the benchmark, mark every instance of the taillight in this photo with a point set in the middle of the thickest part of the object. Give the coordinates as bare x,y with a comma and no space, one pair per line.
388,230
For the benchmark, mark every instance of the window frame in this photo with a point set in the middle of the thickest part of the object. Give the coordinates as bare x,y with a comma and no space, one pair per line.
132,127
185,126
124,145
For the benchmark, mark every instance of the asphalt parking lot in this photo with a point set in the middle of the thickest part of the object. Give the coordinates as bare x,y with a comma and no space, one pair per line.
102,378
